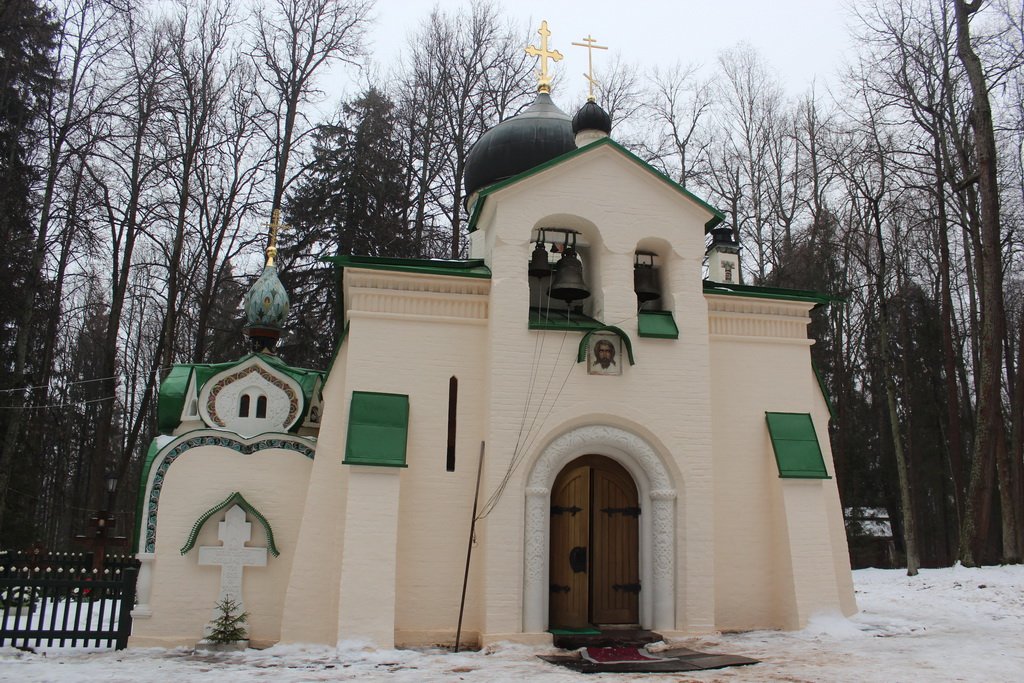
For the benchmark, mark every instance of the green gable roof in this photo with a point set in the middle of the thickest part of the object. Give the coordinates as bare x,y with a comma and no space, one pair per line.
716,215
172,397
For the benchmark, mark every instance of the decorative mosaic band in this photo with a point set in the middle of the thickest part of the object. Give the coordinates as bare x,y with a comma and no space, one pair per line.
195,442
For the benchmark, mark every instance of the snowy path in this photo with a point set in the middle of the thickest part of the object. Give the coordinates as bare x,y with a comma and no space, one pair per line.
944,625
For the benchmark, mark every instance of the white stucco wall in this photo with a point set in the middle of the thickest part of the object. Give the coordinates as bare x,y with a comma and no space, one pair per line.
618,207
780,552
184,593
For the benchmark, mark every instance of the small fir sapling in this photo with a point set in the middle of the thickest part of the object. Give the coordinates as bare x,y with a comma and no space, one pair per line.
228,627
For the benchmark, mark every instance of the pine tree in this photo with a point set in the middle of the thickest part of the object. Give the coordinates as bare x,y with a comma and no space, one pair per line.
351,201
228,627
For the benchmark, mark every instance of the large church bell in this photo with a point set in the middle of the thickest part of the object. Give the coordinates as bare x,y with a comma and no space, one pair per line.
567,284
645,278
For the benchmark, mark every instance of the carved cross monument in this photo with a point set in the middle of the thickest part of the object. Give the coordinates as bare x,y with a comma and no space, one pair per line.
233,555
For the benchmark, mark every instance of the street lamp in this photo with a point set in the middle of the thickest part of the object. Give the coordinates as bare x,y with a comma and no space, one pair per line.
110,477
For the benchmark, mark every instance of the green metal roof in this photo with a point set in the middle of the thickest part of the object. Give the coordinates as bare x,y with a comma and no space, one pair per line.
456,267
172,397
795,443
561,319
817,298
378,429
657,324
716,215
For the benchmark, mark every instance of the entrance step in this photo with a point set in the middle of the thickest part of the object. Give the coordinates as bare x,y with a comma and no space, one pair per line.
612,637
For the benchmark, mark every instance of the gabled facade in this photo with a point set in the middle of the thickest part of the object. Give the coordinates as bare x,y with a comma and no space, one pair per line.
654,453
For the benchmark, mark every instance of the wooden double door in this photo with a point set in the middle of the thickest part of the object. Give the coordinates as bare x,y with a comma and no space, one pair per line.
595,519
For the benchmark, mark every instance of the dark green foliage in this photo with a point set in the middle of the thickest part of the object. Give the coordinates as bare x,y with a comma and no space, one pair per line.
228,627
351,201
27,38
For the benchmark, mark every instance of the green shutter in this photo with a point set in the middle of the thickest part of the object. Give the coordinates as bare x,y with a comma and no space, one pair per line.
796,446
657,324
378,429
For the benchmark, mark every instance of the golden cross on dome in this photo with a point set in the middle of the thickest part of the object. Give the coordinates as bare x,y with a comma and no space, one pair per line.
591,44
275,225
543,55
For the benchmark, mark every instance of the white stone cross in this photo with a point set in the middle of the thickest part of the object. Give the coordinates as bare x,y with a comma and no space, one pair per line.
233,555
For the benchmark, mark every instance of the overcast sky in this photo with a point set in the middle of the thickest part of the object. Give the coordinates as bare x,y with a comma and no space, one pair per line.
800,39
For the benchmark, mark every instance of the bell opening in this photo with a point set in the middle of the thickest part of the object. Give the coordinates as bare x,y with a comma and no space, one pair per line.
646,282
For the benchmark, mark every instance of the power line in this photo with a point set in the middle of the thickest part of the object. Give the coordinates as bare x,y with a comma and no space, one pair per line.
53,406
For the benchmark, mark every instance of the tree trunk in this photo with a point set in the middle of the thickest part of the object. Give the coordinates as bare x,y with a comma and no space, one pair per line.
989,441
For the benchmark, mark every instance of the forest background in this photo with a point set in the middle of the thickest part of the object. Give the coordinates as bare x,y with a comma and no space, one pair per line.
143,146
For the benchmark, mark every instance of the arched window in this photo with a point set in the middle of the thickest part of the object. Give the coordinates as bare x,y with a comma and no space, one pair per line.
261,407
243,406
561,275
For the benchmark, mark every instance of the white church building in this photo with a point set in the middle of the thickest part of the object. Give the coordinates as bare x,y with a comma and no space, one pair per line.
643,446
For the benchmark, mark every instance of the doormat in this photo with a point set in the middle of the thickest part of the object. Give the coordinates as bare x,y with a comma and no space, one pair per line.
616,655
666,661
585,631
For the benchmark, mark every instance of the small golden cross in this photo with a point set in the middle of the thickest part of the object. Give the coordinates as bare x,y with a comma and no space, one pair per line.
543,54
275,225
591,45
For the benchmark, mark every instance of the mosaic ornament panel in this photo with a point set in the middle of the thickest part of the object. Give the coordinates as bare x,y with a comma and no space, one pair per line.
222,441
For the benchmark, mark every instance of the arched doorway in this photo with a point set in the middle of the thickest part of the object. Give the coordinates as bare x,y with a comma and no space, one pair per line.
594,553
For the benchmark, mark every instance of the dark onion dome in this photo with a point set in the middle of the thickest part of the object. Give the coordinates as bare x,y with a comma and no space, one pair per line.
592,117
539,134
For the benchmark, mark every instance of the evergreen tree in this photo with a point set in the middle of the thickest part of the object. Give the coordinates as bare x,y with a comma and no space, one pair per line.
27,40
351,201
228,627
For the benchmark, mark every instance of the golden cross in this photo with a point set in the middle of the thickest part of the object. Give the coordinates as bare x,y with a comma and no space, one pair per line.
543,54
591,45
275,226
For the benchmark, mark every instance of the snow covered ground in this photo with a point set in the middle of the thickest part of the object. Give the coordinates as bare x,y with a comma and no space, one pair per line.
944,625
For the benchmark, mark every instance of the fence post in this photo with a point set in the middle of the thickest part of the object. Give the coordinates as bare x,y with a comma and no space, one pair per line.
124,621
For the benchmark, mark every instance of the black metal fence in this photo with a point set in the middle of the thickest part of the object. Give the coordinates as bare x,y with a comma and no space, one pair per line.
66,606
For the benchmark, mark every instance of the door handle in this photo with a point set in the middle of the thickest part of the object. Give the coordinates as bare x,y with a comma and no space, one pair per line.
578,559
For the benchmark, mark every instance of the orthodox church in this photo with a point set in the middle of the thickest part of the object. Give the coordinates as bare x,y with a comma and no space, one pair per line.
572,429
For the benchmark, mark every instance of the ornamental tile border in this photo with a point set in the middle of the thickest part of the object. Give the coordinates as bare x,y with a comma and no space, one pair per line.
211,399
195,442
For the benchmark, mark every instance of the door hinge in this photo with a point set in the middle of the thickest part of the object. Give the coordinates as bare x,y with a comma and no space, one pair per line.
628,512
555,588
558,509
626,587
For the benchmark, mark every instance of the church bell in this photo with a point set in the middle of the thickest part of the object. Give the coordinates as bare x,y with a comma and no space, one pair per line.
539,265
567,284
645,279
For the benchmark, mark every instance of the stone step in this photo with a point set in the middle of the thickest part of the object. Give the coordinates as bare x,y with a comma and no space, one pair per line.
607,638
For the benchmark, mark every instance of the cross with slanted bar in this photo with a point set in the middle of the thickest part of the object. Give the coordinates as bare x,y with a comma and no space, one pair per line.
543,55
275,226
591,44
233,556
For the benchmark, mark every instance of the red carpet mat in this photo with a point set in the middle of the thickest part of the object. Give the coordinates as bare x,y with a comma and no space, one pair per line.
617,655
637,660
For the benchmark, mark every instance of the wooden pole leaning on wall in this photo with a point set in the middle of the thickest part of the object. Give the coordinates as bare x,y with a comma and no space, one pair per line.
469,549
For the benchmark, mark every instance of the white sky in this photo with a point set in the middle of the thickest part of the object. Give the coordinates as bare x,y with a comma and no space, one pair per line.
801,40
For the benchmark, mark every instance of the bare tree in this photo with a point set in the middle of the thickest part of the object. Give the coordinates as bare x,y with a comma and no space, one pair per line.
990,438
293,40
677,103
